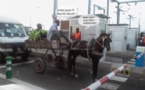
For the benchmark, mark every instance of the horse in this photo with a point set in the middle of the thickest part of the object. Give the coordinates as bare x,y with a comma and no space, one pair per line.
92,50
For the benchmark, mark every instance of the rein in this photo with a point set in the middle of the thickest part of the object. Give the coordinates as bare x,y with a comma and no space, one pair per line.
102,45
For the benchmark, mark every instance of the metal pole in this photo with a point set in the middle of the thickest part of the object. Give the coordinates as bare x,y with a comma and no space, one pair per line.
129,22
9,67
54,9
89,6
108,8
104,11
94,9
118,13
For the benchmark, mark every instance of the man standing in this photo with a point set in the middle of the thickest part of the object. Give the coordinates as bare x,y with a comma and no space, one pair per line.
77,34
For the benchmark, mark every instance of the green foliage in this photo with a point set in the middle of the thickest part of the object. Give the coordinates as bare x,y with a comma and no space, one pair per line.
36,34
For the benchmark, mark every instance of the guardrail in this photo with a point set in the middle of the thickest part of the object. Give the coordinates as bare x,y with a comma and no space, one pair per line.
95,85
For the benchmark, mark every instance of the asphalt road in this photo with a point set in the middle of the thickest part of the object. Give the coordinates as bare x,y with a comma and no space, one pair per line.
60,79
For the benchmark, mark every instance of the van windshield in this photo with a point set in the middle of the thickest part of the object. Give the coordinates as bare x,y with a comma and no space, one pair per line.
11,30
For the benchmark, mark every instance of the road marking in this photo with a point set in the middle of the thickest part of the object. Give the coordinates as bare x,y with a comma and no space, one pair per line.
4,66
110,86
131,62
120,79
22,83
14,87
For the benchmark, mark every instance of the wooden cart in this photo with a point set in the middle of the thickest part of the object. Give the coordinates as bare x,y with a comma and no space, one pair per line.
40,62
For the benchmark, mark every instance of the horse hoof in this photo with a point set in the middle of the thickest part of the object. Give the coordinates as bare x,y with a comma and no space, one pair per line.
71,73
76,75
90,70
96,80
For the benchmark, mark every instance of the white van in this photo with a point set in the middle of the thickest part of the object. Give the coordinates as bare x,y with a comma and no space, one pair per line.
12,39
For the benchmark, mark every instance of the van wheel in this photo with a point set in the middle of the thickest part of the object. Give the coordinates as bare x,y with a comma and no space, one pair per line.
2,57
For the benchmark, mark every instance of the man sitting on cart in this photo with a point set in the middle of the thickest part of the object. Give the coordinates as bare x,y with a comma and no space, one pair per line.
53,33
37,34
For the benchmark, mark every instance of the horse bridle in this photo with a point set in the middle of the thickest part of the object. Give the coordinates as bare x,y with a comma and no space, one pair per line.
102,45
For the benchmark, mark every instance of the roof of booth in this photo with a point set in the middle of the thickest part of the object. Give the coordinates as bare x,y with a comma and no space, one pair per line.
99,15
124,24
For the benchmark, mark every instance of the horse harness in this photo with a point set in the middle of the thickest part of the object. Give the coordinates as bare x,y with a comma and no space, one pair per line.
95,52
87,50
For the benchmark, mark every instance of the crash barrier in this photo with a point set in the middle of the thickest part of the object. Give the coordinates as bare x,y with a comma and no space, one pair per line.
123,72
9,67
140,56
103,80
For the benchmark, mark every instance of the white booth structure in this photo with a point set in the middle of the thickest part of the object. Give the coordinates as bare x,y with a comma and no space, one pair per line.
119,36
92,31
132,35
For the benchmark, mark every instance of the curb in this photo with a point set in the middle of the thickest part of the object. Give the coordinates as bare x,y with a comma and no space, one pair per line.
124,55
104,66
138,72
86,63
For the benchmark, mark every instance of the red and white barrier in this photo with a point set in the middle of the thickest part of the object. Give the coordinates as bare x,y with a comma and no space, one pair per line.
140,55
95,85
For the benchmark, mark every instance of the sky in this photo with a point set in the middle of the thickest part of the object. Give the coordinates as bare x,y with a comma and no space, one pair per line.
31,12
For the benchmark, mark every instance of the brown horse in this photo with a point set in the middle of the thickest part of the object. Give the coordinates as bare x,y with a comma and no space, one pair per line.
92,50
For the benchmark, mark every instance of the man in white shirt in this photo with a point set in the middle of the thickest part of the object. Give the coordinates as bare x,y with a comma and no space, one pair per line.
53,33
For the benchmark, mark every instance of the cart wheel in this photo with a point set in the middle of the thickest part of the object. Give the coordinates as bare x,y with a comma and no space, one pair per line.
39,65
59,62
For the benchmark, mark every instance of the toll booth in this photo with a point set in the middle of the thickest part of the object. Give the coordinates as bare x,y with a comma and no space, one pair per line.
132,37
86,33
119,36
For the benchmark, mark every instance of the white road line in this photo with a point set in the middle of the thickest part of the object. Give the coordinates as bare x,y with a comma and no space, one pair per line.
22,83
120,79
110,86
14,87
4,66
131,62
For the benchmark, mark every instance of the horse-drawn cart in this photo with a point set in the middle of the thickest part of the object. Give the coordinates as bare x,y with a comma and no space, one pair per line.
41,60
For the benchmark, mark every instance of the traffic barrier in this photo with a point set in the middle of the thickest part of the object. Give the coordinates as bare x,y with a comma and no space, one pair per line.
95,85
140,55
9,67
123,72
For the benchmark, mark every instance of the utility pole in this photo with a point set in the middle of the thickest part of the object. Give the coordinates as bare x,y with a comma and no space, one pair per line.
118,13
89,6
54,16
124,2
108,8
100,8
130,18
